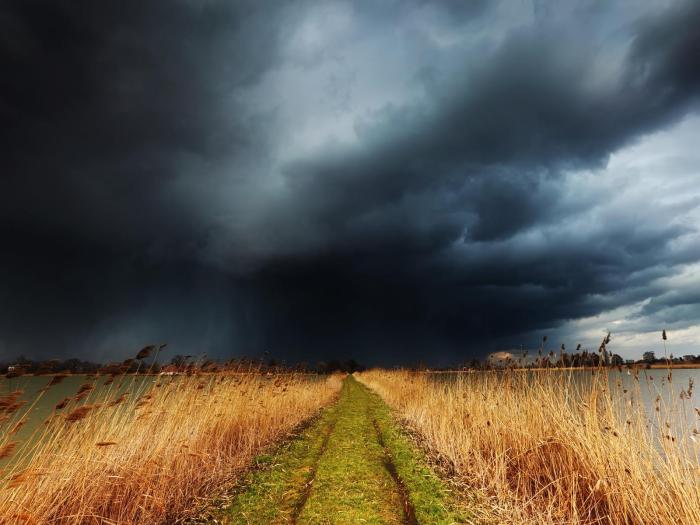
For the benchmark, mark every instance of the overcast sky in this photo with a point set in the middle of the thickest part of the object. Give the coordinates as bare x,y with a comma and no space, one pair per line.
389,181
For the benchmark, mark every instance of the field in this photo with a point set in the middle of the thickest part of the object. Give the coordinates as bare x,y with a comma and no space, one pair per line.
244,446
555,447
142,451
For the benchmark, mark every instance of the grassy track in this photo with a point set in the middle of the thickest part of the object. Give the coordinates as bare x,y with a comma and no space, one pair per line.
352,466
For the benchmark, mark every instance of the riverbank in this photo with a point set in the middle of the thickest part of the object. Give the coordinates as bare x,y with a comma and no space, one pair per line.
574,447
118,449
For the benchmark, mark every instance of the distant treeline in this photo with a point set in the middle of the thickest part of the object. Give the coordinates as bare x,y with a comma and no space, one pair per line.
178,364
146,361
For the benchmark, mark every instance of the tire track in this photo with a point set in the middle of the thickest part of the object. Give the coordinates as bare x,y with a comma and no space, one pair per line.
301,502
409,513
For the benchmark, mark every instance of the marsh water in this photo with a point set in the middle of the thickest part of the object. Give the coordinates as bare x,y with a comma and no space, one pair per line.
42,401
647,388
653,386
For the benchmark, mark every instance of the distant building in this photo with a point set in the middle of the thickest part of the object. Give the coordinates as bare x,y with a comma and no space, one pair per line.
501,359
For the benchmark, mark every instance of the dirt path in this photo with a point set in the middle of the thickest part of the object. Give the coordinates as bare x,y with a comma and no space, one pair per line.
352,466
352,483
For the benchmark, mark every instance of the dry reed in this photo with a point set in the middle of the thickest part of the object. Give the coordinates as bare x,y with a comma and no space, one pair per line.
150,460
554,447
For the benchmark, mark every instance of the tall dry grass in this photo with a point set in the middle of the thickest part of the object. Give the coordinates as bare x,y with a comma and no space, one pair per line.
555,447
146,451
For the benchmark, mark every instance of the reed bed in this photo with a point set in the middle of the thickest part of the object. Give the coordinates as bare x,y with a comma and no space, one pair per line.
555,446
147,451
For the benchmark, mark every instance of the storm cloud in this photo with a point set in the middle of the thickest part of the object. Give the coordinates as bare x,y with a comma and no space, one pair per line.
394,181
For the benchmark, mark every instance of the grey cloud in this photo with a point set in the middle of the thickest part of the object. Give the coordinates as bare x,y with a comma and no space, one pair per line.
525,109
155,189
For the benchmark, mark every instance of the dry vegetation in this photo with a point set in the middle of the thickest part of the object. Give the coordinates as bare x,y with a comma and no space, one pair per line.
550,448
145,451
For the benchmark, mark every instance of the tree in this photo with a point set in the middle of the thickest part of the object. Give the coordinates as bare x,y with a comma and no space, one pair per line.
178,360
72,365
353,366
649,357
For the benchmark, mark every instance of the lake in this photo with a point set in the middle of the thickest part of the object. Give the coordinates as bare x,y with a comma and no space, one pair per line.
682,414
40,405
653,384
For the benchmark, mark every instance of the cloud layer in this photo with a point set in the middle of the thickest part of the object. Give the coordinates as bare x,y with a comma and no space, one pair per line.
397,182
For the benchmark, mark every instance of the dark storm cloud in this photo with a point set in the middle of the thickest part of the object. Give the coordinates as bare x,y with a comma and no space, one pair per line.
144,195
100,104
526,109
480,165
682,304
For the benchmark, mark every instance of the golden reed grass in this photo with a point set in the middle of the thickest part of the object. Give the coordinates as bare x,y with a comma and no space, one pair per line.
555,447
149,451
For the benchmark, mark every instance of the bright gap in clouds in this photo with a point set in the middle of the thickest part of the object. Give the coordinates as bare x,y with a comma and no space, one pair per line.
653,181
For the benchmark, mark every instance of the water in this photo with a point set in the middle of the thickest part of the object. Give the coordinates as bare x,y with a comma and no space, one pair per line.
40,405
653,384
682,414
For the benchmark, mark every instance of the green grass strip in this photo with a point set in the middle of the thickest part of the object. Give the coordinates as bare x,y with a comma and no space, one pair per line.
339,472
429,496
275,488
352,485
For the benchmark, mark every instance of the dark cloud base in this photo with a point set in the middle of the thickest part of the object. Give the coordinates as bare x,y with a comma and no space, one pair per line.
129,157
